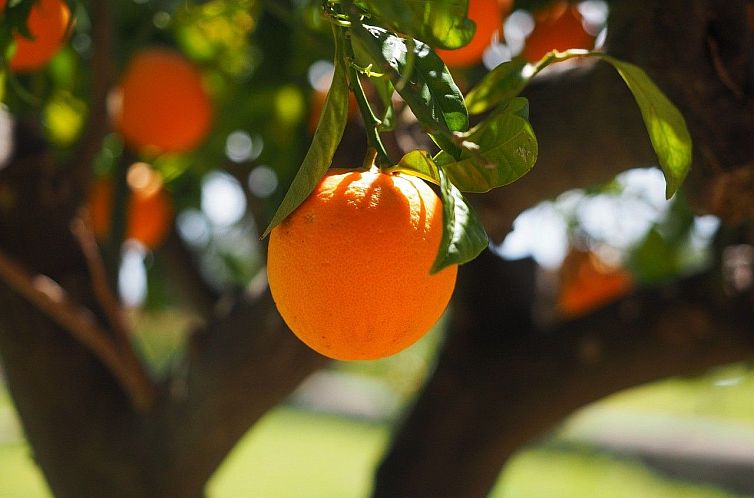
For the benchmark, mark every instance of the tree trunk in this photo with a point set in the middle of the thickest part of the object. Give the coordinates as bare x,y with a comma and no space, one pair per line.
502,379
86,435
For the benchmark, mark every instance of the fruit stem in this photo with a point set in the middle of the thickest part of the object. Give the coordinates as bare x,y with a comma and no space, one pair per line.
371,122
369,160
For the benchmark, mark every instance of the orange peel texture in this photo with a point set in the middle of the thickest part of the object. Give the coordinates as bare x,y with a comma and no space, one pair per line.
349,269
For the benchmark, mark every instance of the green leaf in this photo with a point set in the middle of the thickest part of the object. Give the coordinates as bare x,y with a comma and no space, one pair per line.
667,129
509,78
463,236
329,132
418,163
385,90
441,23
507,150
425,84
502,83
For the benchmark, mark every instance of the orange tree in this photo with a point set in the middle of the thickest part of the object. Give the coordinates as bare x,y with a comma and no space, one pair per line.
101,423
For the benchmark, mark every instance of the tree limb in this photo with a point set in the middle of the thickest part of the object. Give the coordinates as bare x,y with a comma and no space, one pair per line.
502,380
239,367
588,124
53,300
102,70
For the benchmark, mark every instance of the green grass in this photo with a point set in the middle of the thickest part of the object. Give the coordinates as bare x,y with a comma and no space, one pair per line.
723,394
19,477
296,453
292,453
547,473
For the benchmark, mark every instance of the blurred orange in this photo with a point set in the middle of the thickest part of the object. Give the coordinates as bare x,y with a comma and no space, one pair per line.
48,23
558,27
160,104
488,16
149,212
588,283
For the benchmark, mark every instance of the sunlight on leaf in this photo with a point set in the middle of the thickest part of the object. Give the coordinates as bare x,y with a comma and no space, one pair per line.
463,236
332,122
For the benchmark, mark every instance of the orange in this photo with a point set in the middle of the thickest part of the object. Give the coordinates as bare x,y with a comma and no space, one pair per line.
488,16
161,104
558,27
48,24
349,269
149,212
588,283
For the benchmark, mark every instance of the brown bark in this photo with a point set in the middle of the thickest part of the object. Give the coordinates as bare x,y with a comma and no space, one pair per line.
700,53
86,435
501,380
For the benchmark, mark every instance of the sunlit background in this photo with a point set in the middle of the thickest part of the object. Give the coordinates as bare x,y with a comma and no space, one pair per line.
682,437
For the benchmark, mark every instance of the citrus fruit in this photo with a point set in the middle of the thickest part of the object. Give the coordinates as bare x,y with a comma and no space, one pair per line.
558,27
488,16
588,283
161,104
149,211
48,24
349,269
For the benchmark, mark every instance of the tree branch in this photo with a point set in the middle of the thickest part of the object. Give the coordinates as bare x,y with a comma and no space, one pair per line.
102,70
51,299
502,380
589,129
239,367
588,124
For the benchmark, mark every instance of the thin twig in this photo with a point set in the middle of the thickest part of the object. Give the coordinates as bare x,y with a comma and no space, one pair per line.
102,77
100,283
371,122
51,299
725,77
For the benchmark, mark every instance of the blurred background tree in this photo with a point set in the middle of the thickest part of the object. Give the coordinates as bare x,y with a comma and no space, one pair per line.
139,343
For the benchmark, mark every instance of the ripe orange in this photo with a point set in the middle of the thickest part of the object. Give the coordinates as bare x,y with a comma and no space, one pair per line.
587,283
349,269
488,16
149,211
161,104
48,24
558,27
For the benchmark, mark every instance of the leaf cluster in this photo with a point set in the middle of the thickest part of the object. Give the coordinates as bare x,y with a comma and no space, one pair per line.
391,44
